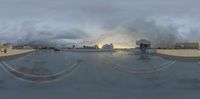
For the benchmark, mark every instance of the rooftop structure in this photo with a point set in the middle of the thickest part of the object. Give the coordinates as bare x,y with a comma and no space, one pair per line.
143,43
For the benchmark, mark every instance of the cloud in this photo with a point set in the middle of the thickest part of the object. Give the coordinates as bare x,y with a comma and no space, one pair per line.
161,32
38,33
114,21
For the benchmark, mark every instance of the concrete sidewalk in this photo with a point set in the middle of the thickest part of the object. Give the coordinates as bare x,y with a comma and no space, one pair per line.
179,52
15,52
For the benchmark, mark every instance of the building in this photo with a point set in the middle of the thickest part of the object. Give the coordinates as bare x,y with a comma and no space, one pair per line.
27,47
91,47
188,45
143,43
108,47
6,47
198,43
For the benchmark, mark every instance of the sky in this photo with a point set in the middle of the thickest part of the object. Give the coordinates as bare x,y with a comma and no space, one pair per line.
88,22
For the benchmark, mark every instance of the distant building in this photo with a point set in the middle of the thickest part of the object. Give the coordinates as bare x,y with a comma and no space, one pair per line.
91,47
188,45
108,47
198,43
27,47
6,47
143,43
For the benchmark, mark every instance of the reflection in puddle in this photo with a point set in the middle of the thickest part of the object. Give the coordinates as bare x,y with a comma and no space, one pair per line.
138,64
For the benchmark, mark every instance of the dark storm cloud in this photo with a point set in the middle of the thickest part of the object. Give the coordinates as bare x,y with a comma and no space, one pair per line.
99,10
160,36
55,34
70,19
34,33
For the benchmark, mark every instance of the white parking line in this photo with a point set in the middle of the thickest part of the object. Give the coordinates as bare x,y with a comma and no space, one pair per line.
43,78
129,70
141,69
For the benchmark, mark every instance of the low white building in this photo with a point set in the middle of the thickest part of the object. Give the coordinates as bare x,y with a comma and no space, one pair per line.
108,47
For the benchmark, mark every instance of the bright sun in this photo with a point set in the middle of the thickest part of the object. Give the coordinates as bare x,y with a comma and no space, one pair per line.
116,45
